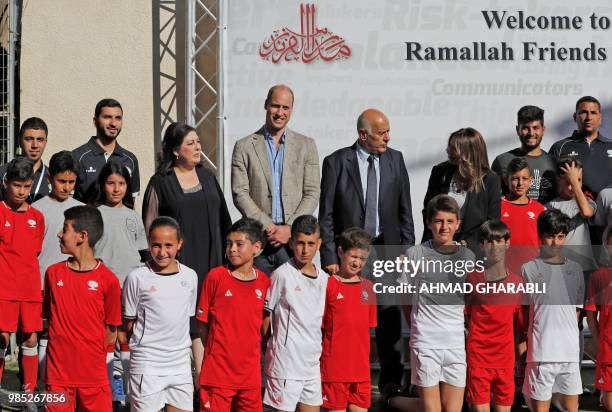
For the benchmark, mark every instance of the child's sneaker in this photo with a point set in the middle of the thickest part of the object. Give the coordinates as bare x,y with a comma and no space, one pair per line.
117,387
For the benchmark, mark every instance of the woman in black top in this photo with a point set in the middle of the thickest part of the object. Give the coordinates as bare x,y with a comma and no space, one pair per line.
466,177
185,190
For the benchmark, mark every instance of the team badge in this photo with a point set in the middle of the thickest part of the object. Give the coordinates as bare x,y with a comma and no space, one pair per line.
92,285
60,283
32,222
364,295
258,293
531,215
228,293
200,311
152,289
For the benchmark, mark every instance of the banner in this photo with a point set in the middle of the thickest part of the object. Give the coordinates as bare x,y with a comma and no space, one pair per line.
432,66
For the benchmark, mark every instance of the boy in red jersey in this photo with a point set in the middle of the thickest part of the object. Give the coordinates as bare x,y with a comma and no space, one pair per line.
491,318
520,214
21,235
599,301
230,312
350,312
83,306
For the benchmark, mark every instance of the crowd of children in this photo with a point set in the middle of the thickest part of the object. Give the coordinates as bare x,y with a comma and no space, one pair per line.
116,304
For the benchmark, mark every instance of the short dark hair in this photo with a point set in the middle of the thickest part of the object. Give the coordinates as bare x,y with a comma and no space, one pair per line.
354,238
527,114
516,165
251,228
565,162
275,88
86,219
20,168
441,203
96,194
35,123
306,224
493,230
587,99
173,137
63,161
108,102
553,221
166,221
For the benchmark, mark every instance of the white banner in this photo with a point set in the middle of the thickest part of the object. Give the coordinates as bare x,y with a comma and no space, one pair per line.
343,56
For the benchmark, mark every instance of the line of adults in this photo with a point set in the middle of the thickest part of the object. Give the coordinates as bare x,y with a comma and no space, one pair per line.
275,178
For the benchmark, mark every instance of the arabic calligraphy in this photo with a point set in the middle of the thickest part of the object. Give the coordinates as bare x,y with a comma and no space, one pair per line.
310,44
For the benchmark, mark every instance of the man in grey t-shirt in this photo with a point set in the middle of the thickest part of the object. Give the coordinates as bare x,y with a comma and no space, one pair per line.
530,129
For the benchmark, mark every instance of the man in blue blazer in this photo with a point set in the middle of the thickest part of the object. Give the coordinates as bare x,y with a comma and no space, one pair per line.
366,185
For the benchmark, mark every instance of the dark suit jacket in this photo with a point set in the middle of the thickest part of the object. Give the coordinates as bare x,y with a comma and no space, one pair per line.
479,207
342,206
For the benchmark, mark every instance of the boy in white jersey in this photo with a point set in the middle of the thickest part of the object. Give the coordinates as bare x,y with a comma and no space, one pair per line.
553,339
295,302
159,299
437,342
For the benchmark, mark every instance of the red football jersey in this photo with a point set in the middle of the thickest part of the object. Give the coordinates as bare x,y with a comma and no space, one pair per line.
490,339
522,222
233,310
21,237
79,305
599,298
350,312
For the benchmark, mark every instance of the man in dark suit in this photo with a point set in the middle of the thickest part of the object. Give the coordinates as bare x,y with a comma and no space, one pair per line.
366,185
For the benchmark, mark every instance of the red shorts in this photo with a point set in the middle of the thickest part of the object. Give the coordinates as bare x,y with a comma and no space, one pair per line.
339,395
94,399
603,377
21,316
227,399
482,381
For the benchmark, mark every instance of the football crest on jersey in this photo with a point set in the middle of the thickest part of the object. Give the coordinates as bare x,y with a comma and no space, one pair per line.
340,296
32,222
7,224
258,293
506,214
364,295
152,289
92,285
60,283
298,288
531,215
228,293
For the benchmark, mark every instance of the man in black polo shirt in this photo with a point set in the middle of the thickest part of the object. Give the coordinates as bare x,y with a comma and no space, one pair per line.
102,148
587,145
530,129
32,141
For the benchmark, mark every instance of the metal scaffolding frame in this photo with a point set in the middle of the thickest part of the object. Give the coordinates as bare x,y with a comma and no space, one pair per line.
9,36
188,71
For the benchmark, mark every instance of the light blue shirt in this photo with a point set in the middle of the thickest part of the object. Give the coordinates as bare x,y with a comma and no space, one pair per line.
362,161
275,159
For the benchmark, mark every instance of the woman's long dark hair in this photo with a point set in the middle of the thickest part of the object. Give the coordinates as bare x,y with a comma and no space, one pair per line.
97,195
467,150
173,138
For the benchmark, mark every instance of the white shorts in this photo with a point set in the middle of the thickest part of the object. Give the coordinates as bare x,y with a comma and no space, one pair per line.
152,393
429,367
285,394
542,379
